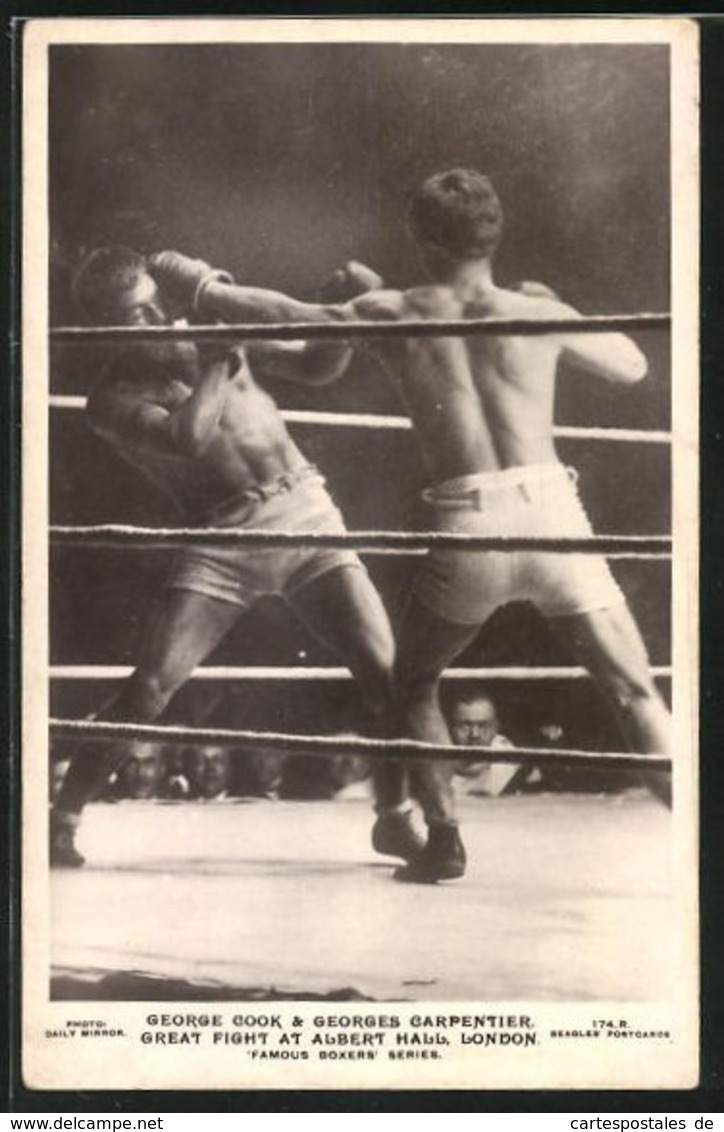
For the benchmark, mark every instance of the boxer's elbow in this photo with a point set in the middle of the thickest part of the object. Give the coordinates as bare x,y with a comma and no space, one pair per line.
632,363
303,363
613,357
188,446
188,435
193,445
323,364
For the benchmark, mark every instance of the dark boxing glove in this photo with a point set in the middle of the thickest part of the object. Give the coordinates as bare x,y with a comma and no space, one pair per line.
184,279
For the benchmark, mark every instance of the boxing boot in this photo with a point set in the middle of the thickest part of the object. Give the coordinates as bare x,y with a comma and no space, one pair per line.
443,857
63,853
394,835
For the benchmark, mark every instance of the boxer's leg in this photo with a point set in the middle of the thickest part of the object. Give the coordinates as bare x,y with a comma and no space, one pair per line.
343,610
609,644
186,626
427,644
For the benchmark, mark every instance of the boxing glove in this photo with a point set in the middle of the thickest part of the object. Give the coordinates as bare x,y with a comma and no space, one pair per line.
350,281
184,279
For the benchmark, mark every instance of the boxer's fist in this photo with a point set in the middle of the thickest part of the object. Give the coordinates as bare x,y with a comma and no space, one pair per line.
183,279
535,290
350,281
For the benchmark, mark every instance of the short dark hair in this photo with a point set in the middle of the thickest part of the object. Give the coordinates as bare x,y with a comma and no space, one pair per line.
473,694
102,275
457,212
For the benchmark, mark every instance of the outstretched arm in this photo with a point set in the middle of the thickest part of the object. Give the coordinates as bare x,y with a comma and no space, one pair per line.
314,362
214,295
229,302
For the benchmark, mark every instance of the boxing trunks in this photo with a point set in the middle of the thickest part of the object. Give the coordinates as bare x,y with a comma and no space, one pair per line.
535,501
293,501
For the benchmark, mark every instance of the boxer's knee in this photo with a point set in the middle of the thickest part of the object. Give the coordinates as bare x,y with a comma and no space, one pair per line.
146,695
630,690
414,688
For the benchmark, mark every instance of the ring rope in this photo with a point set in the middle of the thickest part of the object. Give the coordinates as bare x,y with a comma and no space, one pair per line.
299,672
409,328
390,421
120,535
333,745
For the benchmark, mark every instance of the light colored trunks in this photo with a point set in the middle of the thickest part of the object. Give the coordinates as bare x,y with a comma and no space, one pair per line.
534,501
297,501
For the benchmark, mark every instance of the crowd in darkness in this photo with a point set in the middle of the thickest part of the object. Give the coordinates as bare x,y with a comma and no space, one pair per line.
175,773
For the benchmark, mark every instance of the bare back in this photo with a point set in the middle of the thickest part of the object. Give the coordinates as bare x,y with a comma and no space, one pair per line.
485,402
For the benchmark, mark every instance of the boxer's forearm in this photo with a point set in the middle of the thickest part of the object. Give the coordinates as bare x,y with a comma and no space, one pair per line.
194,422
324,362
305,363
315,362
615,357
214,296
231,303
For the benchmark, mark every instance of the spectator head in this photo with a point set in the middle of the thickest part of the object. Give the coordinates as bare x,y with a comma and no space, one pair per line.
474,718
140,774
551,734
209,771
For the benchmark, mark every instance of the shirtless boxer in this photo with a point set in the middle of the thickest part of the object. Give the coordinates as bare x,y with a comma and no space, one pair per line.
198,425
482,409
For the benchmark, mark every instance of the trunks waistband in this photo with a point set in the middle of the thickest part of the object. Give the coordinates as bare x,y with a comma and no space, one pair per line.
253,496
472,490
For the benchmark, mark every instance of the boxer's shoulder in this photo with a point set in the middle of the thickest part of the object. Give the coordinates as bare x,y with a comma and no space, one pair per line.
379,306
432,301
526,300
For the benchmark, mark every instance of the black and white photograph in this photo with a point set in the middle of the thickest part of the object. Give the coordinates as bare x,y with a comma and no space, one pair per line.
360,521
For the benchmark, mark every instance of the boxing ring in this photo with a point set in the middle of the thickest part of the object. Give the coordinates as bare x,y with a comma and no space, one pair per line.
566,899
541,915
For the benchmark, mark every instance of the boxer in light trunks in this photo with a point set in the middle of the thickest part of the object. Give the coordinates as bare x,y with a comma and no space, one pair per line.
199,426
482,409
